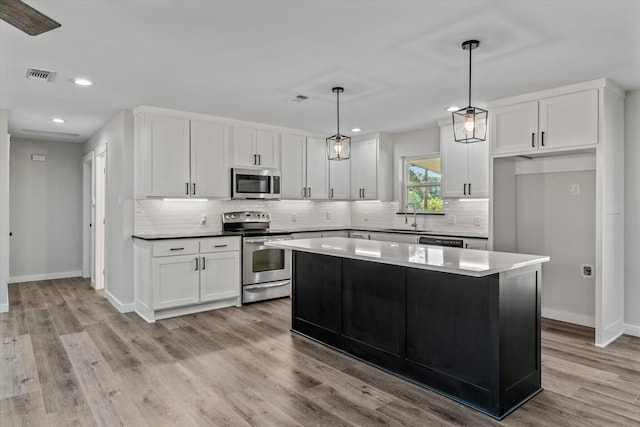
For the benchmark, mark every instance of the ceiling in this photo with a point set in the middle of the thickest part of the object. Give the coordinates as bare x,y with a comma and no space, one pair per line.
400,62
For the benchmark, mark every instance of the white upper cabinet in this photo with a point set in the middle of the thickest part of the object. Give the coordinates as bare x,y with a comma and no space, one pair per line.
465,167
317,169
371,168
364,169
168,144
304,167
569,120
339,180
552,123
256,148
179,157
209,160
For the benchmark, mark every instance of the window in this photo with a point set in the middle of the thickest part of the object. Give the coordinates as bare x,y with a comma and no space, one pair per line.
422,178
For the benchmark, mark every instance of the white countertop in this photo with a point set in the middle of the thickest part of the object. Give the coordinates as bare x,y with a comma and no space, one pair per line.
467,262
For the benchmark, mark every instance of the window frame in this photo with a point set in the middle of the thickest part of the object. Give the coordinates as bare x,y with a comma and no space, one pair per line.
406,185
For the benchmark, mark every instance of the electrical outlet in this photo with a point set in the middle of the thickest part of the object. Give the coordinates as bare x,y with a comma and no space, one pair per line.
328,215
451,219
294,217
476,220
203,219
575,189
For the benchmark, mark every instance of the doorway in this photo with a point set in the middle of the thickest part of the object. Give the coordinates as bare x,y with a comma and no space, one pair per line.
93,216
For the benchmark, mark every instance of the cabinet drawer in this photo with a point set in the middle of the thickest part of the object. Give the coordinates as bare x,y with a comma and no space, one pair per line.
219,244
175,247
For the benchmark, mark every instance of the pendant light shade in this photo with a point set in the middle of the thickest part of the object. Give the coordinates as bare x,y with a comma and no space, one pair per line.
338,145
470,123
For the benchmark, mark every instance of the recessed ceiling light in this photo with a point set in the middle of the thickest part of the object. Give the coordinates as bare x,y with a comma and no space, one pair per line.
83,82
57,120
453,109
356,130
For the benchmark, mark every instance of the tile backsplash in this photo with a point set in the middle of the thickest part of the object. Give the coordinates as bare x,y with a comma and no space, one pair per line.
158,216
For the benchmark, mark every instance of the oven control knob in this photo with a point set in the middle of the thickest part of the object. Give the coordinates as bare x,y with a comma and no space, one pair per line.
233,216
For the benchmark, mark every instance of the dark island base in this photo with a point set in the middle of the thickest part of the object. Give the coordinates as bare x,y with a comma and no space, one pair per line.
475,340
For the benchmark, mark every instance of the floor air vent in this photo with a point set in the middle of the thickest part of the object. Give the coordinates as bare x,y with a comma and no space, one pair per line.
38,74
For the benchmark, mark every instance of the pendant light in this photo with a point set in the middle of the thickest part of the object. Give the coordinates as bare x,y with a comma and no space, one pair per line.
338,145
470,123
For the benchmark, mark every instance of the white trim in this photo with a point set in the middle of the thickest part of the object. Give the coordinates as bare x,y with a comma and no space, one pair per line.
566,316
632,330
121,307
4,308
45,276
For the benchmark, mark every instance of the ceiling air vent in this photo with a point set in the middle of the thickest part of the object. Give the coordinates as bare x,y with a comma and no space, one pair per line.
38,74
298,99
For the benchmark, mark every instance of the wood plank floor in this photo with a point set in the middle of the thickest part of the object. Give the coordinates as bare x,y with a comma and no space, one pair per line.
68,358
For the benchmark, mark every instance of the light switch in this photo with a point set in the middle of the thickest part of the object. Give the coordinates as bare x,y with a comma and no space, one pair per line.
575,189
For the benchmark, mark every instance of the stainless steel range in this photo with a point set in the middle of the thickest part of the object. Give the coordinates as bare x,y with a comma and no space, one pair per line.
266,272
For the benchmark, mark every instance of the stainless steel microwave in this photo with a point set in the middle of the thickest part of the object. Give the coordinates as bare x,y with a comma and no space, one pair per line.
255,183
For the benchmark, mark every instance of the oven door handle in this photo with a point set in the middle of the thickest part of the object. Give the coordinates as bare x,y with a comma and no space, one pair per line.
256,288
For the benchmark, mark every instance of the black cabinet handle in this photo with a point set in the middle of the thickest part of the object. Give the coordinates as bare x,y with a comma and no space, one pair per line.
196,263
309,191
204,266
533,140
465,189
194,189
304,192
331,194
186,188
176,249
259,159
542,138
469,188
219,246
255,159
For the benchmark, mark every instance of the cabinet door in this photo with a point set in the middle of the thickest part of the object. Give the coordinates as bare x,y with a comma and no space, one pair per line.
569,120
168,168
478,184
364,169
514,128
244,142
175,281
339,182
455,164
317,169
292,161
220,276
209,165
268,149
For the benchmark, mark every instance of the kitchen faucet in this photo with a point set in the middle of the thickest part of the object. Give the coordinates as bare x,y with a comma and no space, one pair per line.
415,216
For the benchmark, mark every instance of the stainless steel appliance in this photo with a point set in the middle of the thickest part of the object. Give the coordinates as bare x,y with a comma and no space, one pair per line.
266,271
255,183
441,241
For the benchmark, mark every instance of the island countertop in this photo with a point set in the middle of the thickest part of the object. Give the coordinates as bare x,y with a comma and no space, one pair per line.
467,262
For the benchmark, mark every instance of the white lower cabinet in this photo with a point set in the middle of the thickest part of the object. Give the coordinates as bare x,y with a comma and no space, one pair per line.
176,281
174,277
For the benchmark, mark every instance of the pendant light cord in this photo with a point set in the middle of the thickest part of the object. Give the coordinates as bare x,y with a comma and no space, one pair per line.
338,110
470,49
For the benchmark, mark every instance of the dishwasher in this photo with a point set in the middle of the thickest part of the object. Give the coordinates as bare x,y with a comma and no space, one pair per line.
441,241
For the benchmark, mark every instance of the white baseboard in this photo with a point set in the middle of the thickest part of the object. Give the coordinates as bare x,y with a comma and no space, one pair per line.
4,308
121,307
632,330
46,276
565,316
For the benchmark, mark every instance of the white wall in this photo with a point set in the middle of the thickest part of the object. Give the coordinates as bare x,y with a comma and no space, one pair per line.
632,213
4,211
45,211
118,136
552,221
423,141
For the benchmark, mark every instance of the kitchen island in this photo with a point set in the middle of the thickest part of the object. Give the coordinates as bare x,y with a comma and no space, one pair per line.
462,322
